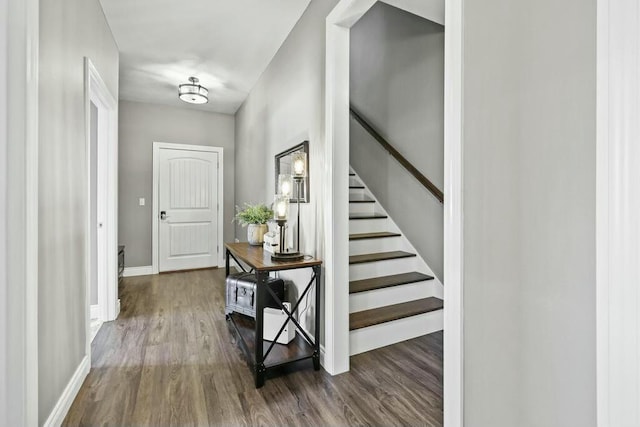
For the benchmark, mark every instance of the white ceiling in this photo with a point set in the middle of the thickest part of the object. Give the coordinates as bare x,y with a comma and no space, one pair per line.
227,44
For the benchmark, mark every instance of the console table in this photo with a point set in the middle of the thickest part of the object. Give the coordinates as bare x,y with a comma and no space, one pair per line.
265,355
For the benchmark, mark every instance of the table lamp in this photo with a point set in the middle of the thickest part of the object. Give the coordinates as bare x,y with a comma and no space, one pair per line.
299,166
281,214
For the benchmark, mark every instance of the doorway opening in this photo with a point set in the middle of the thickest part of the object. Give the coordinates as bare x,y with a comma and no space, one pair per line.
339,23
101,253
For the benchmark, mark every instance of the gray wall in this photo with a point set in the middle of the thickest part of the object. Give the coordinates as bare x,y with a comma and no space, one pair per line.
397,83
140,125
4,312
69,31
285,107
529,219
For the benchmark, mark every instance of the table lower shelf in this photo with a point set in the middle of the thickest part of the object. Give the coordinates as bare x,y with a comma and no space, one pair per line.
298,349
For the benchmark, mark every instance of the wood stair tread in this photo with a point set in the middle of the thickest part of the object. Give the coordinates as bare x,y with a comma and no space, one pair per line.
362,199
376,316
356,187
367,216
374,283
352,174
377,235
379,256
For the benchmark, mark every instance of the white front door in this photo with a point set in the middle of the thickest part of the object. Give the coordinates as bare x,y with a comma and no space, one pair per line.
187,203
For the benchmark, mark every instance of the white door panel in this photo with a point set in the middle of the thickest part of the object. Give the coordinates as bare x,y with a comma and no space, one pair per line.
188,197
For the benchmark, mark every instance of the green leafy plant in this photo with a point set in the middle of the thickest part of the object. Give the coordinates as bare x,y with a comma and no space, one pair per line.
253,214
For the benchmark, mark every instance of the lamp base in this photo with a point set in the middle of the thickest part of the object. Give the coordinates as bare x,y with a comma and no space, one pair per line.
287,256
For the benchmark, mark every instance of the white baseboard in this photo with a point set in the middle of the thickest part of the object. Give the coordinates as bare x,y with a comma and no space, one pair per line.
138,271
68,395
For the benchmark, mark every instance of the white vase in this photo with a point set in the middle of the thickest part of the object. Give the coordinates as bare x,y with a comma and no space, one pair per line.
255,234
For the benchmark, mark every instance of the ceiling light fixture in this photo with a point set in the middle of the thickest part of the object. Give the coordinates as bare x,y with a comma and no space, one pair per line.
193,93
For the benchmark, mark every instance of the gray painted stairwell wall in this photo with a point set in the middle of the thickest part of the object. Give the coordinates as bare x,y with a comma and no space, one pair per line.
397,83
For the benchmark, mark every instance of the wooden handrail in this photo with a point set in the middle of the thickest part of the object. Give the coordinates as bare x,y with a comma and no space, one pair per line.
437,193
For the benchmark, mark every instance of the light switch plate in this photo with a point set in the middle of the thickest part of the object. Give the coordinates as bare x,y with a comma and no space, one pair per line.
141,201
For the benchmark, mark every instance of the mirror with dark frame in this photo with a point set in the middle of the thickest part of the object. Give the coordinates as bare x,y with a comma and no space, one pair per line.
283,166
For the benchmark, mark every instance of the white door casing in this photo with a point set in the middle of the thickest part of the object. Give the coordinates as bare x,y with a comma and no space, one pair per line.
19,58
106,199
617,213
187,207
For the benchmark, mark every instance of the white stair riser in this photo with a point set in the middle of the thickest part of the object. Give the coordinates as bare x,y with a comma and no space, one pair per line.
393,295
353,180
357,192
365,339
381,268
362,208
386,244
368,225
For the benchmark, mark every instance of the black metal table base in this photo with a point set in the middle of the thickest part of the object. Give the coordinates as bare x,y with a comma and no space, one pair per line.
259,360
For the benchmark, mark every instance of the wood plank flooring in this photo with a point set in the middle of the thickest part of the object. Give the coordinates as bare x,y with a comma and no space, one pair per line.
171,360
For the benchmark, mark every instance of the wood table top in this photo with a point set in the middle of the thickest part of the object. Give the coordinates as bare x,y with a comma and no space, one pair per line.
258,259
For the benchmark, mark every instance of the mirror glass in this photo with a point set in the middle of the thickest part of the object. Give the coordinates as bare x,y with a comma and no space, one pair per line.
283,166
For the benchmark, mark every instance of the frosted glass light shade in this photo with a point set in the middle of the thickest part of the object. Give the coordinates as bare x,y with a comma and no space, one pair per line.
193,93
299,164
285,185
281,207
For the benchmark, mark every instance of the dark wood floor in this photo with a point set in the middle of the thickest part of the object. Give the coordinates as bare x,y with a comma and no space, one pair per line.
170,359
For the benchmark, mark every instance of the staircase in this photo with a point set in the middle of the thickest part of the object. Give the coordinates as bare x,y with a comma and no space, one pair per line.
393,294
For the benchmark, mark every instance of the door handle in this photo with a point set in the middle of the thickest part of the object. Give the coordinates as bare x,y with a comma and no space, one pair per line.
163,215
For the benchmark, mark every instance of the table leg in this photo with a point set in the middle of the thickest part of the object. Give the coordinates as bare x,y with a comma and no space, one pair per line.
226,264
316,352
261,285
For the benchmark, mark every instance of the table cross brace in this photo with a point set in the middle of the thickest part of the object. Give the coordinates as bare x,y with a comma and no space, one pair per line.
290,315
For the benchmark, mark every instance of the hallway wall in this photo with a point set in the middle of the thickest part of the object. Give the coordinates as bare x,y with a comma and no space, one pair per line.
529,135
140,125
284,108
4,309
69,31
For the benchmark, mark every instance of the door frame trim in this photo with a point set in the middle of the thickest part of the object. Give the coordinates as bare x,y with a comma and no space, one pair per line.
617,207
21,62
96,91
157,146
